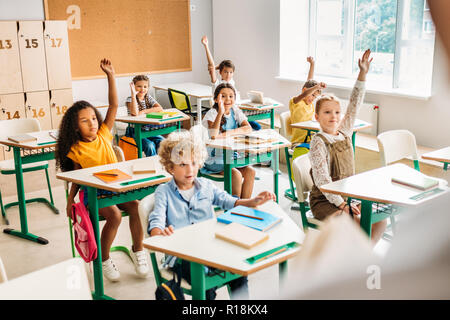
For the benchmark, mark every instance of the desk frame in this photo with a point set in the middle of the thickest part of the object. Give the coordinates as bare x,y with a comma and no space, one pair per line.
42,154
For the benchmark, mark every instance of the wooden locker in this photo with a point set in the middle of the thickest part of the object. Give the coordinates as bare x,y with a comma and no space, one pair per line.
37,105
60,101
12,106
57,54
2,154
32,56
10,73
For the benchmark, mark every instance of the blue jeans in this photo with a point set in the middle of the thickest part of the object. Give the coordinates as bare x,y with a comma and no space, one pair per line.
255,125
150,145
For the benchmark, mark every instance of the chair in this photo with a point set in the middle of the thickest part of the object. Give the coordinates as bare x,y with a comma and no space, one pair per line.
15,127
180,100
286,131
395,145
3,277
301,167
163,275
120,157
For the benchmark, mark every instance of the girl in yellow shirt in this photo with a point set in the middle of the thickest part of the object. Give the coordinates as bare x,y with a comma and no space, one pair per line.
85,141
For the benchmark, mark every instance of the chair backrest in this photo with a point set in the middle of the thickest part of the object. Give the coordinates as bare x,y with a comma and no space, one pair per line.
144,209
119,153
179,100
301,167
286,130
18,126
395,145
3,277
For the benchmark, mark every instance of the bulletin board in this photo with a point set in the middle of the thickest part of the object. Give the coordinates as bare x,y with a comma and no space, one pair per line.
138,36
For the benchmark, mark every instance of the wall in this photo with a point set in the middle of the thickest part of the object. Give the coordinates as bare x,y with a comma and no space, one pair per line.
248,34
96,90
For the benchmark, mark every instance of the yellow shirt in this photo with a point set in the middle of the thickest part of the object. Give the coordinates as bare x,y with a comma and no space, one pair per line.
94,153
300,112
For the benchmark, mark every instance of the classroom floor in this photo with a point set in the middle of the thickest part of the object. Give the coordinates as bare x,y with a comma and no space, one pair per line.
21,256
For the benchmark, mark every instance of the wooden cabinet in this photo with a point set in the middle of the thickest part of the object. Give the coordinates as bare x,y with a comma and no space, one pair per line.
57,55
32,56
37,105
12,106
60,101
10,73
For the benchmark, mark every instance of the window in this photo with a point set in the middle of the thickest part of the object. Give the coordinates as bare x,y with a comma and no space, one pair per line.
400,34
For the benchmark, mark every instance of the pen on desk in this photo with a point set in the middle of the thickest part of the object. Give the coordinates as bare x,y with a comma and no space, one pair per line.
43,143
107,174
247,216
270,255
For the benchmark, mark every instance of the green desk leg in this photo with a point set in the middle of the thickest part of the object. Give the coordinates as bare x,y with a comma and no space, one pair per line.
23,233
198,281
445,166
98,293
138,138
366,217
227,176
282,272
275,172
354,141
272,119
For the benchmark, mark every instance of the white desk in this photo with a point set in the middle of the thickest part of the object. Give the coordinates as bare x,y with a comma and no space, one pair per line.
141,186
376,186
441,155
314,126
195,90
197,243
63,281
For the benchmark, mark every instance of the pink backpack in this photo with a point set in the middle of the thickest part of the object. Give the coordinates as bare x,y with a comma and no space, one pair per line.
84,233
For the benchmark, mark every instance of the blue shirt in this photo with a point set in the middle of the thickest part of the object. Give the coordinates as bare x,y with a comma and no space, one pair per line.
172,209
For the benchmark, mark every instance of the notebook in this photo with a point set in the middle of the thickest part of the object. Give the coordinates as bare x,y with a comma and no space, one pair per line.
21,138
265,221
148,166
161,115
256,96
113,175
417,181
257,137
241,235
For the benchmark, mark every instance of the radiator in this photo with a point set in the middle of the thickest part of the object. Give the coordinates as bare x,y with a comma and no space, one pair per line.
368,112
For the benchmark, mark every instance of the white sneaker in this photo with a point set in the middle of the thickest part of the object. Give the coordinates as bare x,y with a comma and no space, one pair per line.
140,262
110,270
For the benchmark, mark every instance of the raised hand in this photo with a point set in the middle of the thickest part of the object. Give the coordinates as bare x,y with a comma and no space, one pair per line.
364,62
310,60
220,103
133,88
107,67
205,40
321,85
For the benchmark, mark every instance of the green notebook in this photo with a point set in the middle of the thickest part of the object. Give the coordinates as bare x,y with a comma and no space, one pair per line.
161,115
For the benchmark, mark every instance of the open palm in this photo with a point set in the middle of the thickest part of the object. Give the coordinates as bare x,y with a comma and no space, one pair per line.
364,62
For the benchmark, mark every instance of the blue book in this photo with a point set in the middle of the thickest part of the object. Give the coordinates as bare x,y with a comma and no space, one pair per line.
249,217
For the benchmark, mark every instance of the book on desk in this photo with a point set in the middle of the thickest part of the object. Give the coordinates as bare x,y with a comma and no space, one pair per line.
113,175
148,166
161,115
256,137
22,138
241,235
417,181
249,217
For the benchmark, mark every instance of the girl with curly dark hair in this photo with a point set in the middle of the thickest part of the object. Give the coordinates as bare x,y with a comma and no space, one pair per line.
86,141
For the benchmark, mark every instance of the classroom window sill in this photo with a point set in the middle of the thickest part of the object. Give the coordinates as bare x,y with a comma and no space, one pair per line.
347,84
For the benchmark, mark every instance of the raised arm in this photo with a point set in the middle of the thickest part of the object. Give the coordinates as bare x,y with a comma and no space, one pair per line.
357,95
108,68
311,68
132,106
309,92
211,65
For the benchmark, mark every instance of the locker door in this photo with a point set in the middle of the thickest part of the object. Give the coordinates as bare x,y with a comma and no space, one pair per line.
10,73
2,154
37,105
60,101
57,54
32,56
12,106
